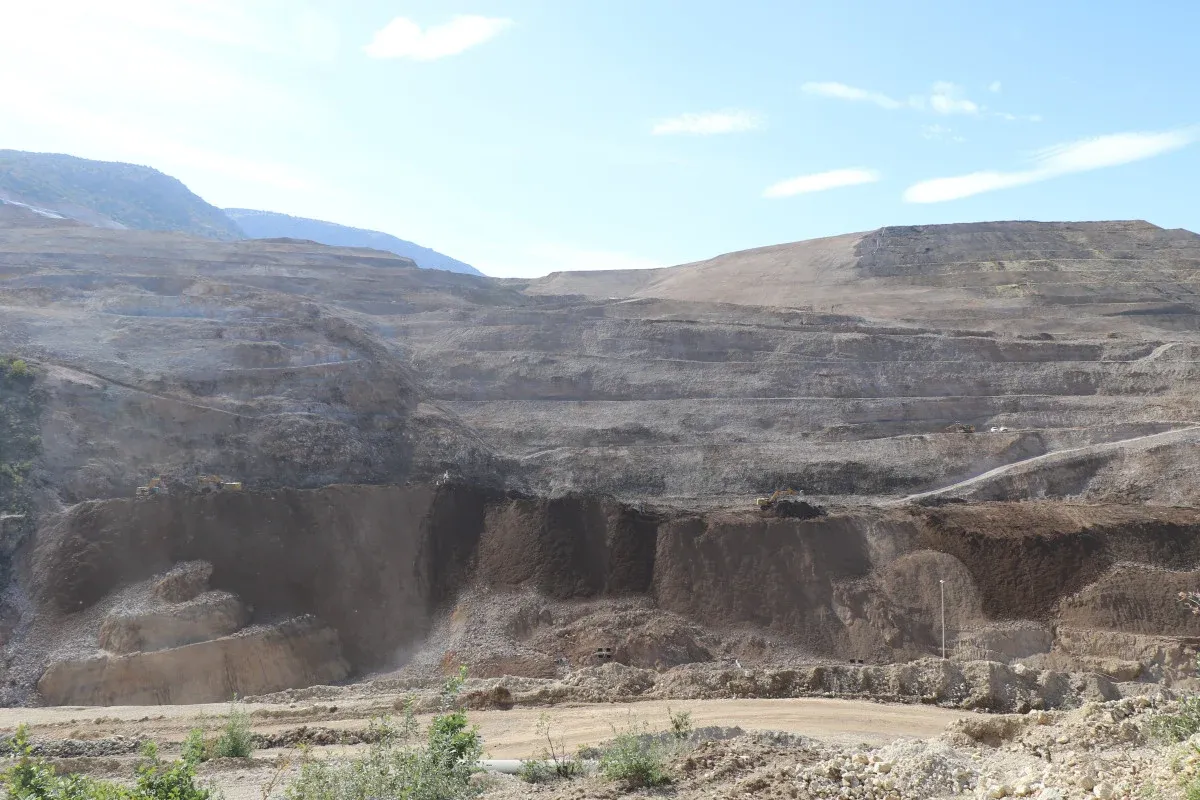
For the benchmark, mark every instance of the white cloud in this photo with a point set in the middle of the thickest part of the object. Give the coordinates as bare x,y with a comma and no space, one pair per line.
109,138
1051,162
105,81
708,123
946,99
403,38
941,133
841,91
821,181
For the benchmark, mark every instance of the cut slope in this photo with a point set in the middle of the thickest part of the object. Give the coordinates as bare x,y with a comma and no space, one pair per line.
270,225
109,194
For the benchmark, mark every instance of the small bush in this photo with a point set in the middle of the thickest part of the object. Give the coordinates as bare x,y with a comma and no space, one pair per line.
195,748
18,369
636,759
681,725
1178,726
537,771
236,739
171,781
398,766
554,764
34,778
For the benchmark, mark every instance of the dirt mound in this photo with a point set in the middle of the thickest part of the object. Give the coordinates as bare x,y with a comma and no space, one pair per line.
184,582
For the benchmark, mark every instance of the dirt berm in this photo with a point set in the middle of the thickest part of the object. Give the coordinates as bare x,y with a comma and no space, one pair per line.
512,584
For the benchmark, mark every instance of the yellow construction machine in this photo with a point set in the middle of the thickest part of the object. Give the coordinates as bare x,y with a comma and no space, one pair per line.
767,502
215,483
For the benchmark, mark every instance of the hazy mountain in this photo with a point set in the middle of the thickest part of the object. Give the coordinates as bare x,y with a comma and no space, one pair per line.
108,194
270,225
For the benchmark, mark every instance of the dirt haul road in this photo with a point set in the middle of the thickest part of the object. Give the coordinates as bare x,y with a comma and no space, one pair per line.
506,734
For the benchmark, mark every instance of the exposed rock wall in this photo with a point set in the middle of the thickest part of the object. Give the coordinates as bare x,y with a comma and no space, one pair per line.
380,565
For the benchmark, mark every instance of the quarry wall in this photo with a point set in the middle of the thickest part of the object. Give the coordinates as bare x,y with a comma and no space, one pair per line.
379,564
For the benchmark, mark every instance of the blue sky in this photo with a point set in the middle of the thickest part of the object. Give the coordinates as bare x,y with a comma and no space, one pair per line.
526,136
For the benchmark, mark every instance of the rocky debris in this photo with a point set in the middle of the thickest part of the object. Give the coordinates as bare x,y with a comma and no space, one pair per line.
971,686
317,737
208,616
184,582
498,697
906,769
297,652
795,508
77,748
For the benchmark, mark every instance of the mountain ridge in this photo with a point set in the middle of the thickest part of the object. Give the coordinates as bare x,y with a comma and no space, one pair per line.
117,195
275,225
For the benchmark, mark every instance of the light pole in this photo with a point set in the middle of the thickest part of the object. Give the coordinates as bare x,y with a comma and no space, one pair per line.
942,586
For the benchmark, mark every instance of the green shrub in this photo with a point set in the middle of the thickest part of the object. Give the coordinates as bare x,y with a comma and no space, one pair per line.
636,759
18,369
398,765
681,725
554,764
236,739
195,748
1178,726
537,771
32,778
175,780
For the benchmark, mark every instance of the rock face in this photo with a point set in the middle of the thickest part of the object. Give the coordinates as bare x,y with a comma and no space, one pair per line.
296,653
840,371
561,579
209,616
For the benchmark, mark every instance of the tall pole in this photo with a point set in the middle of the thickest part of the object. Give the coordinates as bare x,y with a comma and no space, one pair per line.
942,585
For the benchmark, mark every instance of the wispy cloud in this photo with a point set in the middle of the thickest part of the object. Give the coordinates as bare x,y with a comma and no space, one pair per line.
944,97
708,123
941,133
821,181
994,87
842,91
403,38
1052,162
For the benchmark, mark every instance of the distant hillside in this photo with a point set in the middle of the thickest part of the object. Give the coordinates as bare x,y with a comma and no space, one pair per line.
109,195
269,225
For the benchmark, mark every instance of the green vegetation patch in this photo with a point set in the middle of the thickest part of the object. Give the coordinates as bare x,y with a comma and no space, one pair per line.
20,433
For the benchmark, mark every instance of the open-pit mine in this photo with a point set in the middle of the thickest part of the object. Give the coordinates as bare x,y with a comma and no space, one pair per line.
322,479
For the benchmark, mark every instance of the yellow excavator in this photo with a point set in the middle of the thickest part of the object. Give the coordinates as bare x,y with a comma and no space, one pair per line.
215,483
767,502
